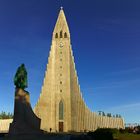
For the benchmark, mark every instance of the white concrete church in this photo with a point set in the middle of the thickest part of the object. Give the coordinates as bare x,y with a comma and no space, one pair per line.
61,106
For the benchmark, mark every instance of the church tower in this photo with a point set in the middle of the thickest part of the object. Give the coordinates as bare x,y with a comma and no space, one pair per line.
54,104
60,105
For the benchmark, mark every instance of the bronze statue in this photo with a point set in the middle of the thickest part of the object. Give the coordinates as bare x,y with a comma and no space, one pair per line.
20,79
24,120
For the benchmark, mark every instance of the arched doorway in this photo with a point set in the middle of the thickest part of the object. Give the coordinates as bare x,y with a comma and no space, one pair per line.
61,116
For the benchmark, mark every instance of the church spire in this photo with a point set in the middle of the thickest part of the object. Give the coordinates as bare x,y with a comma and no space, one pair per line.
61,8
61,27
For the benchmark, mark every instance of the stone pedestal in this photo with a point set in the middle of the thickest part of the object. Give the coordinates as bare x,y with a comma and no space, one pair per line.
24,121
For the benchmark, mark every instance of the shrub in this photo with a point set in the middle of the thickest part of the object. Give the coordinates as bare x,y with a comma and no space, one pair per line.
102,134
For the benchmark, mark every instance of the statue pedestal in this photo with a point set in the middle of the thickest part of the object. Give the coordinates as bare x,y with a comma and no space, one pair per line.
24,121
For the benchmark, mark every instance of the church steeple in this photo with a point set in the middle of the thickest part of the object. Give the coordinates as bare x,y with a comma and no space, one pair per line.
61,106
61,29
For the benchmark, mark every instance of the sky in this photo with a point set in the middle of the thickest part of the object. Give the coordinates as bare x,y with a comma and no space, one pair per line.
105,36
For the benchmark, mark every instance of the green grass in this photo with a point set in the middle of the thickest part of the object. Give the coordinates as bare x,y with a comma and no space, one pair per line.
127,136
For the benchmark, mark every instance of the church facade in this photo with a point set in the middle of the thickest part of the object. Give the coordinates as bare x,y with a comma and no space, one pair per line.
61,106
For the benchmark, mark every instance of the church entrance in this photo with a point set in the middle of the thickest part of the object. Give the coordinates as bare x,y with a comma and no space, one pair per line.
61,125
61,116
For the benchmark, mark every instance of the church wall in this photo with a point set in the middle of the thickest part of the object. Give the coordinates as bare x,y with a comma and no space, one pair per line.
94,121
73,94
66,88
90,120
78,113
87,119
80,110
44,108
83,108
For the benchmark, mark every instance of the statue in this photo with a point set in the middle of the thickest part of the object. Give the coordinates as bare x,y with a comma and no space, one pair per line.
20,79
24,120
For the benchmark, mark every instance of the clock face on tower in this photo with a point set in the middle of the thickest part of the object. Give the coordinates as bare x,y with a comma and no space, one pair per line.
61,45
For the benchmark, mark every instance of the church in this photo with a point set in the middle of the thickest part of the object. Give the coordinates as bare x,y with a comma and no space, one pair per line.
61,106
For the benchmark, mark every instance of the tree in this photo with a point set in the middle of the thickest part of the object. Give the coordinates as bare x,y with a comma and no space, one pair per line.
4,115
108,114
99,113
103,113
120,116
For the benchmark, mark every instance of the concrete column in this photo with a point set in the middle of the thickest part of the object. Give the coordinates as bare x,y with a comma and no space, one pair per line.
81,115
84,117
78,113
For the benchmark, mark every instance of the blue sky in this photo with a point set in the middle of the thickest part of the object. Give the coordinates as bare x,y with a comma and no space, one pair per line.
105,38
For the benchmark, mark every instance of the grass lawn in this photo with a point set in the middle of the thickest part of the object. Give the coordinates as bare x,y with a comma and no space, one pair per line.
127,136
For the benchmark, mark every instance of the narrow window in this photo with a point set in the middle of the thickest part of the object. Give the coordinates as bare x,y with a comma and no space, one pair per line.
56,35
65,35
61,34
61,110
